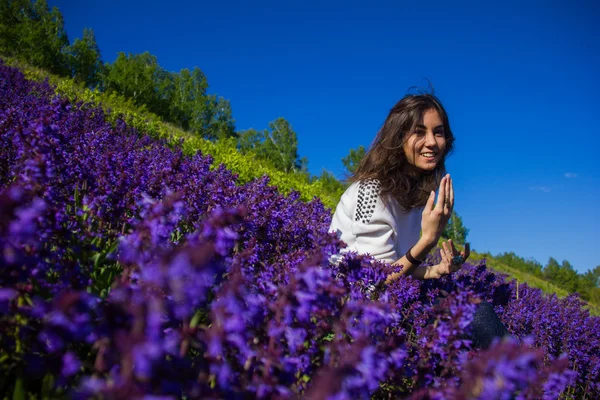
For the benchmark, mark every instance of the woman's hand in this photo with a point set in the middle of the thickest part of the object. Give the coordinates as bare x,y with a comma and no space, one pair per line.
434,219
452,260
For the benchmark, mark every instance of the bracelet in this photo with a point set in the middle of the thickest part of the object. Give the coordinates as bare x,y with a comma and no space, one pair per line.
412,260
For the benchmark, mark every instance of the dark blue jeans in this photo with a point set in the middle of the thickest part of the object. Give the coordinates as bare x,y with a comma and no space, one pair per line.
486,326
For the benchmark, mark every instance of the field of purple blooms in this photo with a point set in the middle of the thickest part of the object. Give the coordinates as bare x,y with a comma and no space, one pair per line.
128,269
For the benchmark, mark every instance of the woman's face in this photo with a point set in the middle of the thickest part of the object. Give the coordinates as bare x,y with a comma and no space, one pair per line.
425,145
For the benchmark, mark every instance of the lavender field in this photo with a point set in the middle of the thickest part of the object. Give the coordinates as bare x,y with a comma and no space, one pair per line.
129,269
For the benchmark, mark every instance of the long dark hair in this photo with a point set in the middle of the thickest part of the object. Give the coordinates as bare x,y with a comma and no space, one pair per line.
386,160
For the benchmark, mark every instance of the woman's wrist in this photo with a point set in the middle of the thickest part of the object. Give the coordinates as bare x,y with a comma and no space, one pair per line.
423,272
427,272
432,272
418,252
423,246
430,240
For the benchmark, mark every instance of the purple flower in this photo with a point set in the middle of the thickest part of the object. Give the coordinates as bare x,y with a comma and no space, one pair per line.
7,294
52,341
71,364
119,247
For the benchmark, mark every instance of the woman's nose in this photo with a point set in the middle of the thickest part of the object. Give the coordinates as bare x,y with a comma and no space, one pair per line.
430,139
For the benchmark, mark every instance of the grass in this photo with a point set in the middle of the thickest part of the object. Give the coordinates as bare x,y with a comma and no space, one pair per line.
531,280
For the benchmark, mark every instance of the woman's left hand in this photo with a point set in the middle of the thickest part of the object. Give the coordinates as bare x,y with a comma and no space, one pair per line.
452,260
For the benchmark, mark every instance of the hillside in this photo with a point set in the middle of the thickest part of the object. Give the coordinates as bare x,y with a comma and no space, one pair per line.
177,107
123,275
150,249
531,280
246,166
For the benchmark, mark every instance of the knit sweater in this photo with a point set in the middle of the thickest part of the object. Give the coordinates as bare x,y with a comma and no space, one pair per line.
371,224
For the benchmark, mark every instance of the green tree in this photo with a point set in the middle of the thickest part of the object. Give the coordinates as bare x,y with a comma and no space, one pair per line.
552,270
278,144
281,145
180,98
135,76
594,296
193,109
29,30
562,275
13,14
352,160
590,283
188,101
456,230
568,277
593,275
250,140
331,184
512,260
34,33
84,60
217,118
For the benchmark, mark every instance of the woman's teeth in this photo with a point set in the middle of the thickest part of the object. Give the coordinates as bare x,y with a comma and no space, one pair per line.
428,154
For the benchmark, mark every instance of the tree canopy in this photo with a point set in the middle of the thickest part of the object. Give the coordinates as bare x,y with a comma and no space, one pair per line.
34,33
278,144
84,60
352,160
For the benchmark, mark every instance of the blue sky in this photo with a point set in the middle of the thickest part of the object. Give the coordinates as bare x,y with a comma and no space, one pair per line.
519,80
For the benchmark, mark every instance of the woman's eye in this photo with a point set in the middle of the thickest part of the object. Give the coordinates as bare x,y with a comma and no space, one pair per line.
439,133
419,132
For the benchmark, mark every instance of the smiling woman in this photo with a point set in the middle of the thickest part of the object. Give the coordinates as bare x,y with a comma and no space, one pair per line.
391,198
391,201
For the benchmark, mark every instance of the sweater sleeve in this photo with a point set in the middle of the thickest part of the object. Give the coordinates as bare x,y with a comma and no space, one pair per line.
373,224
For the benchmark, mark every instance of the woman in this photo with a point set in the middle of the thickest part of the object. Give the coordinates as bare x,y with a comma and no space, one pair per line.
392,195
392,200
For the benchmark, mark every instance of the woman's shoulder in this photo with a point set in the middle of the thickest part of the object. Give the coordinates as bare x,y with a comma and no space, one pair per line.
369,192
359,190
371,184
359,196
368,200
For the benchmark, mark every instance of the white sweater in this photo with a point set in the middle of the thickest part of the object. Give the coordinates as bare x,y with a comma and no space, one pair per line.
370,224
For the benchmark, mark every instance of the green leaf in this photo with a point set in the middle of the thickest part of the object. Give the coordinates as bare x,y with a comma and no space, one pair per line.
48,385
100,257
19,392
329,337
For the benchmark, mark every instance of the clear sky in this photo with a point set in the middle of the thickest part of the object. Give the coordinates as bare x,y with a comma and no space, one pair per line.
519,79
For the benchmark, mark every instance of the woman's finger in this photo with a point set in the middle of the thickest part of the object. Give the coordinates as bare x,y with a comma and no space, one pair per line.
430,201
441,196
454,250
451,195
450,251
445,259
447,203
446,250
467,251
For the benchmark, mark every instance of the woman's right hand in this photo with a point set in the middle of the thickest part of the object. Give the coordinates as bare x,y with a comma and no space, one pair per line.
435,218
